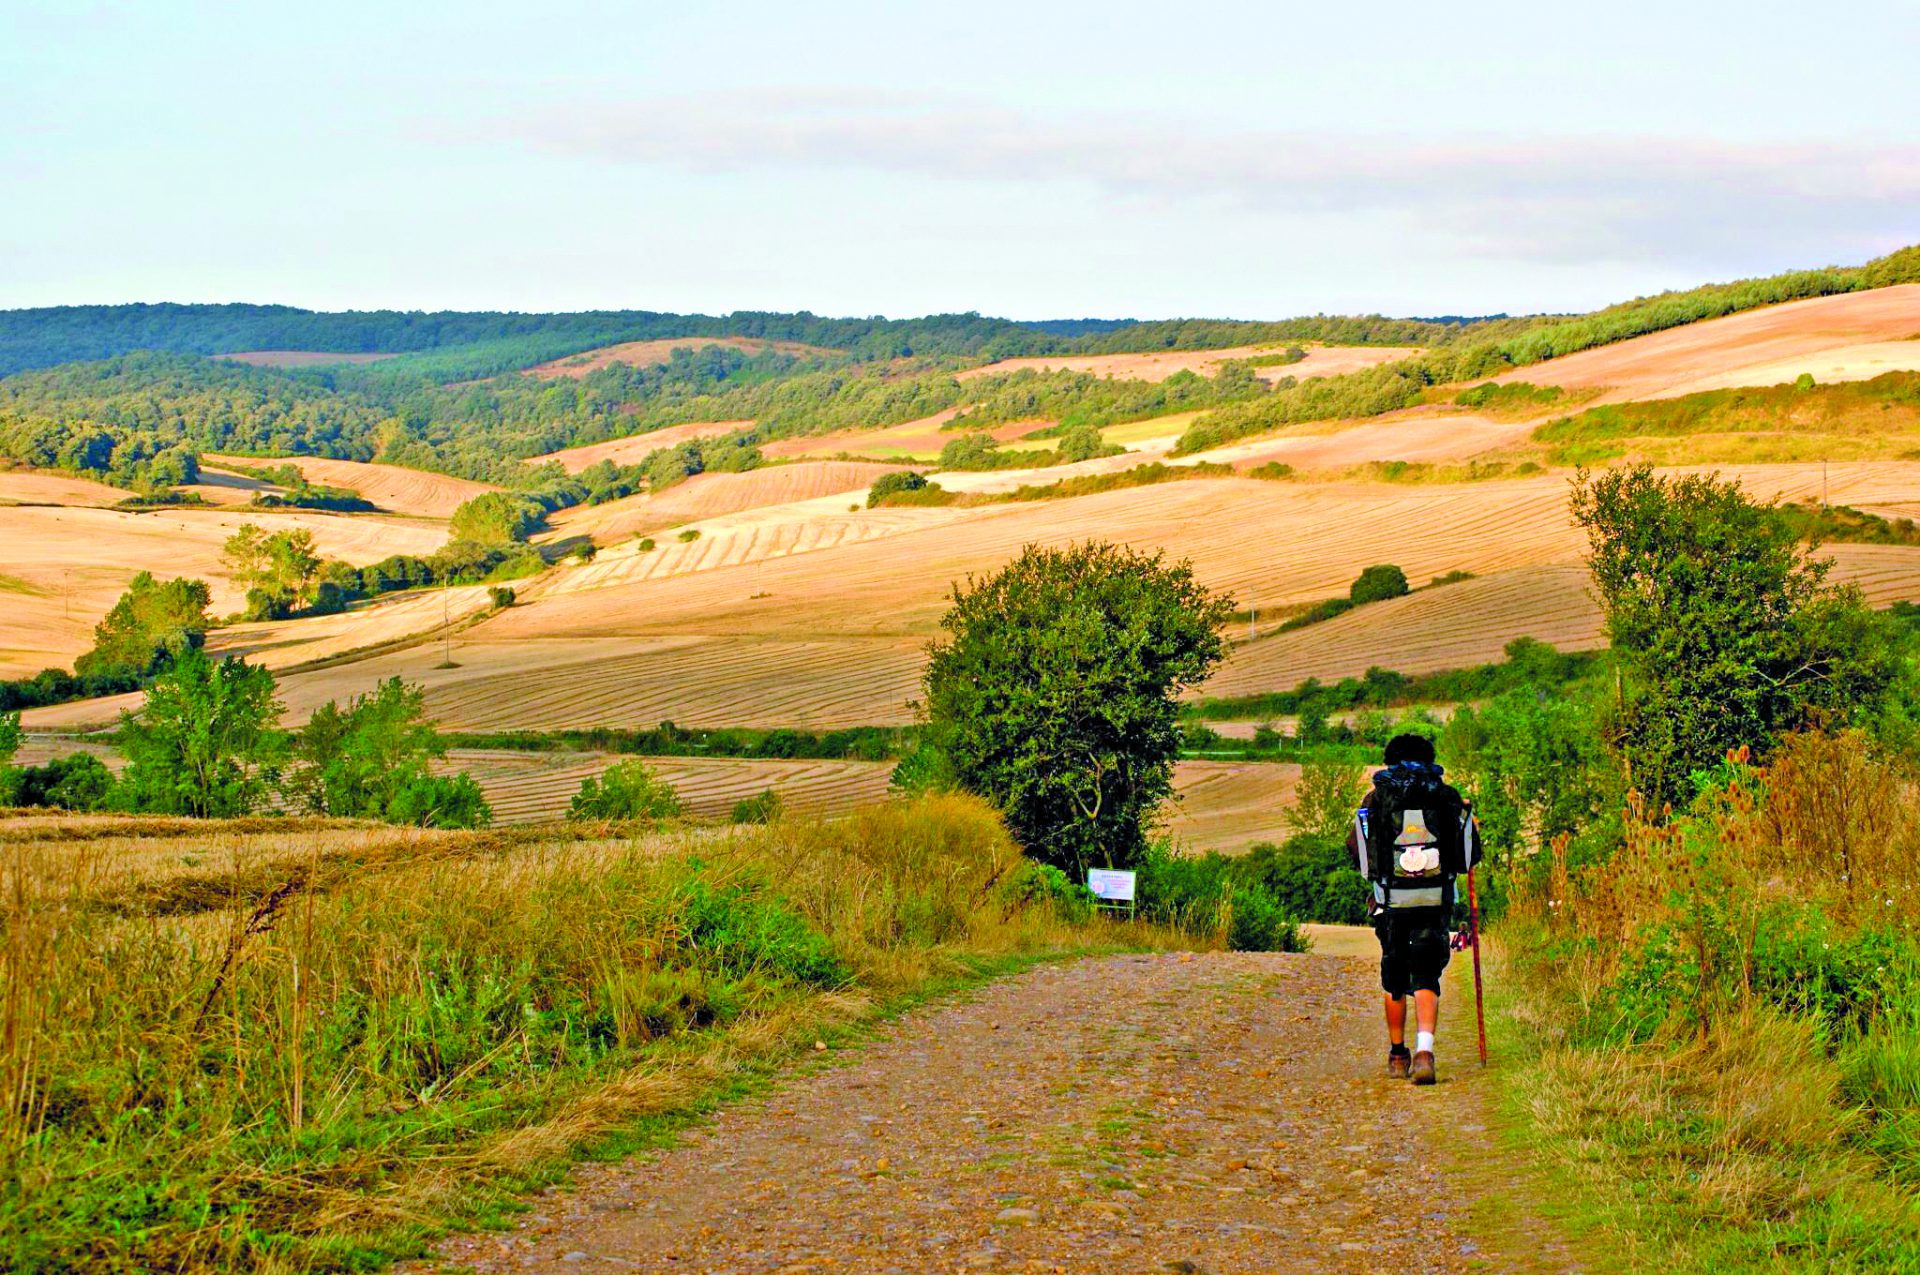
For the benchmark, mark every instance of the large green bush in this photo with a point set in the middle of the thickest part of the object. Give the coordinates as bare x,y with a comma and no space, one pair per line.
626,790
1054,694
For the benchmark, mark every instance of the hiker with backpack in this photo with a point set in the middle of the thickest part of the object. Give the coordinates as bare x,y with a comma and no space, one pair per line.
1412,837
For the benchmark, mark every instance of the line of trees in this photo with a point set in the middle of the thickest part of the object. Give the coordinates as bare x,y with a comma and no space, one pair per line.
206,744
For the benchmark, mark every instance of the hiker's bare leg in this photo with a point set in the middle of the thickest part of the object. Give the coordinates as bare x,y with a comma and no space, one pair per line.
1426,1011
1397,1019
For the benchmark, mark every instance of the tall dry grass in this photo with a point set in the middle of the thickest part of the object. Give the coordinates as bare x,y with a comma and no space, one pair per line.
310,1043
1715,1020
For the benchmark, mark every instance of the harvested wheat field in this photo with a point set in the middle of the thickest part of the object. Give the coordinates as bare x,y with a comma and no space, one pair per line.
219,487
646,353
1418,436
279,644
299,358
393,488
748,538
1454,626
1225,806
713,495
1231,805
690,679
51,487
919,440
636,447
1269,543
1311,540
38,750
1460,625
1844,335
525,787
75,563
746,627
1158,365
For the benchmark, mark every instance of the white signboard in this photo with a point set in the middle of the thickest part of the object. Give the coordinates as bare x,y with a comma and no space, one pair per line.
1110,885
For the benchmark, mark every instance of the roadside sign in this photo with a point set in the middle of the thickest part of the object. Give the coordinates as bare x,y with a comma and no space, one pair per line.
1112,887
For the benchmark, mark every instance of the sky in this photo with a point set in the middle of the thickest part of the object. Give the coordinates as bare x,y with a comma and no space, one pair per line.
1033,160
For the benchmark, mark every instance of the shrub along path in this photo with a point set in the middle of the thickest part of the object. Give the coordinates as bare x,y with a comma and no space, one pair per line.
1218,1112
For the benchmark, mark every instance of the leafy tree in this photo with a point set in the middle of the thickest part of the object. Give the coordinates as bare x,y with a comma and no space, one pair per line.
279,570
441,801
1054,693
1378,583
78,781
1534,761
1083,442
496,518
1327,797
627,790
1726,629
355,762
889,484
1311,877
204,742
150,626
675,464
9,745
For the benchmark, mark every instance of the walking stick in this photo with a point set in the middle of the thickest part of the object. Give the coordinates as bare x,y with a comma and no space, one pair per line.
1479,1004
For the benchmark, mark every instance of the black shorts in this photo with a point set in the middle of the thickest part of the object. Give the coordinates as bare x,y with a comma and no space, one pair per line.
1414,949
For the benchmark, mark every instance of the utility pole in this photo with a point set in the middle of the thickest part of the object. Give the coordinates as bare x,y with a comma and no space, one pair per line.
1253,621
446,629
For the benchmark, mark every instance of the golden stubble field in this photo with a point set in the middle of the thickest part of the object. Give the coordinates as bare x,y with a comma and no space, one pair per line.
64,567
1850,337
752,625
1158,365
1218,805
394,488
796,605
713,495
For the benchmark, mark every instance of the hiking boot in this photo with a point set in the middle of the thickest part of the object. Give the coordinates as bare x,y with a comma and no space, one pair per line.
1423,1068
1398,1063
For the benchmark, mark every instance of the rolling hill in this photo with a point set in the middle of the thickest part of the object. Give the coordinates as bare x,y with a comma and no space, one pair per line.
774,597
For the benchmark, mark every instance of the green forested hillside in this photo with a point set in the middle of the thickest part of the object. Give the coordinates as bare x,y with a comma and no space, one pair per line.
452,345
138,416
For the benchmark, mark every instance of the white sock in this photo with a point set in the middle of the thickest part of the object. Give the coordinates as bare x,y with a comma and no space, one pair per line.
1423,1042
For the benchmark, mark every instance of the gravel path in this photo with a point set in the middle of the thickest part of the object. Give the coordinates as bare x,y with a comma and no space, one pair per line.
1219,1112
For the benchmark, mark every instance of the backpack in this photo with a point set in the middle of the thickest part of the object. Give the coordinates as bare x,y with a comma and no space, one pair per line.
1413,836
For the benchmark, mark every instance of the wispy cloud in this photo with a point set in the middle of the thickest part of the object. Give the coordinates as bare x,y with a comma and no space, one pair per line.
1568,199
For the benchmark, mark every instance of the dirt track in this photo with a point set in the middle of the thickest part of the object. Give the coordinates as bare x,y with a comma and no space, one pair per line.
1214,1112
